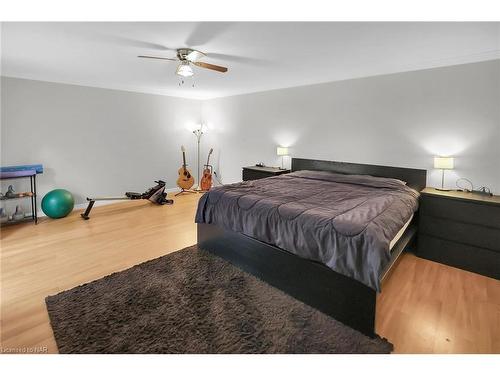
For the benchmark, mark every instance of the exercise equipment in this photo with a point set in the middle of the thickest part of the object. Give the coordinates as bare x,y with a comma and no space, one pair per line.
57,203
156,194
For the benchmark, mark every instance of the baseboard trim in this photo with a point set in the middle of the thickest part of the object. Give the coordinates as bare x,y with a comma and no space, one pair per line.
82,206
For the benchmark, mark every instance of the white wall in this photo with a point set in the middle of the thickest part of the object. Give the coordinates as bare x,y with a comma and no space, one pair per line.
105,142
94,141
400,119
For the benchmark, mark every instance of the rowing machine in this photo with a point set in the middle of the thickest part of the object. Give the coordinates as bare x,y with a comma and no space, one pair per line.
156,194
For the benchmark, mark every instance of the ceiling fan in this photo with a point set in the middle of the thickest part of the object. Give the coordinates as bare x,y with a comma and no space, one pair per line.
186,57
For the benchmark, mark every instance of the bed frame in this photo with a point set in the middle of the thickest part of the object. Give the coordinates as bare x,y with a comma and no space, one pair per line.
345,299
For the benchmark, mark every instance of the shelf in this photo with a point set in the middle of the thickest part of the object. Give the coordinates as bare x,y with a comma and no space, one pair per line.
14,198
12,222
17,174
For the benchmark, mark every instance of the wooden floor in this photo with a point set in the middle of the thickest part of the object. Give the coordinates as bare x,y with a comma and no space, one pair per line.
425,307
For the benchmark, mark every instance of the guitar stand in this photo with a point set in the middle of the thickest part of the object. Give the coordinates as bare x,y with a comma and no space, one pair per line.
198,190
185,191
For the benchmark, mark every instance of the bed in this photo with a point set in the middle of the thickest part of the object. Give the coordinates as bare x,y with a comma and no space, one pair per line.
328,233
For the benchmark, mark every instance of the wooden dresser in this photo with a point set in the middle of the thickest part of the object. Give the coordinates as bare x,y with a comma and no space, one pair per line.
461,230
256,173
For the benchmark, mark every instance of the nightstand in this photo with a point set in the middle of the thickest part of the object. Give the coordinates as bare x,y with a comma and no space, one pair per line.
255,173
461,230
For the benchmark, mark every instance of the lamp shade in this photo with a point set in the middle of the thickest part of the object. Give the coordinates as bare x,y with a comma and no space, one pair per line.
443,163
184,69
282,151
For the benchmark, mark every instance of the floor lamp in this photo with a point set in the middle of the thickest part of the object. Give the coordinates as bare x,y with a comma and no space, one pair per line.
198,133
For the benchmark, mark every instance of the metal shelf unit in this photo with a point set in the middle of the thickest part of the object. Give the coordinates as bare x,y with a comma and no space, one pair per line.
17,174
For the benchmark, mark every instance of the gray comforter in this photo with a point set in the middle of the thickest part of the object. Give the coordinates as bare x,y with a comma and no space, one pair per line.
343,221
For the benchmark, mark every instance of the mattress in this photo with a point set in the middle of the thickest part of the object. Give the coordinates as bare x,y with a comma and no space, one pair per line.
346,222
400,233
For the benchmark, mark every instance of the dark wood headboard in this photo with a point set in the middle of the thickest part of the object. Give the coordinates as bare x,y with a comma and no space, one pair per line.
414,178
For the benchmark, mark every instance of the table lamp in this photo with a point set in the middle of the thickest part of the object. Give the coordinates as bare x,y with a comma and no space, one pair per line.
282,151
443,163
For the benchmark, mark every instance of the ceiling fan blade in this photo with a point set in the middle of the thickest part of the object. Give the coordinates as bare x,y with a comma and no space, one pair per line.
210,66
158,58
194,56
204,32
124,41
238,59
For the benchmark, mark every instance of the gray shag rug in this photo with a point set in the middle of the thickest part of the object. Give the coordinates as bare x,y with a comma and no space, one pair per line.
191,301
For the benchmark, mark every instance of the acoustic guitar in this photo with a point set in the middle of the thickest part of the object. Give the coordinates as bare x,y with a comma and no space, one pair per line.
206,180
186,179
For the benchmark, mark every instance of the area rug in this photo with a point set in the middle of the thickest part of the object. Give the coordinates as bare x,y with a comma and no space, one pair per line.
191,301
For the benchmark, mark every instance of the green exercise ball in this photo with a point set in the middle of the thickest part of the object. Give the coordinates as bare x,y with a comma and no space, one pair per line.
57,203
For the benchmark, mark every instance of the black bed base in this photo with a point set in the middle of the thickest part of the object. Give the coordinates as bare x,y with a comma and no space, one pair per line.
341,297
345,299
414,178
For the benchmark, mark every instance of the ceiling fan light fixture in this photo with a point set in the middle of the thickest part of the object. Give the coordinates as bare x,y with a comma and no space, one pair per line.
186,58
184,69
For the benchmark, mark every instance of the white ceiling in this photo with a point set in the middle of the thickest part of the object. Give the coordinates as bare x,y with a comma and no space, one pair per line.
260,56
